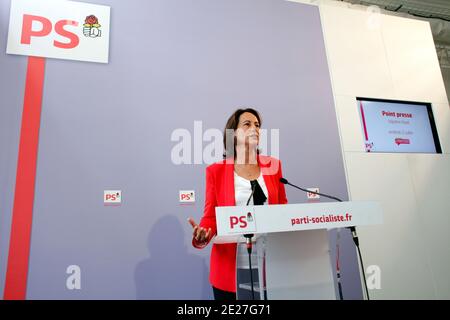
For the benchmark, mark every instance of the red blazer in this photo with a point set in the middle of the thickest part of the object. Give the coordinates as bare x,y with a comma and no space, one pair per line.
220,192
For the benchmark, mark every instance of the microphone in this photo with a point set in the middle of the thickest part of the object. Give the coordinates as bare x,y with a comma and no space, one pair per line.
352,228
284,181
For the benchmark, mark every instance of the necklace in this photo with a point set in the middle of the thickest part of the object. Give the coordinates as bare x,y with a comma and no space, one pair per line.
248,173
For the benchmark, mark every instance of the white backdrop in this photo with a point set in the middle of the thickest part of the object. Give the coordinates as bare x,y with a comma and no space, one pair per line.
381,56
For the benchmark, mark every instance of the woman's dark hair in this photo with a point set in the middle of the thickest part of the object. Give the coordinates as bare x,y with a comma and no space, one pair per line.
231,126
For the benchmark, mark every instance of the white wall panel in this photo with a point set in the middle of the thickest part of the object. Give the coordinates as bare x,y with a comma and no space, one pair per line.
431,182
395,59
413,60
355,53
397,246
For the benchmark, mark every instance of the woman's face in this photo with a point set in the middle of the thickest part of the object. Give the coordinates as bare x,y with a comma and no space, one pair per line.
247,131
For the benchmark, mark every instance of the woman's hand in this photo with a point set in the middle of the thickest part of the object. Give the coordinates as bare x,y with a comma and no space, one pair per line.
200,234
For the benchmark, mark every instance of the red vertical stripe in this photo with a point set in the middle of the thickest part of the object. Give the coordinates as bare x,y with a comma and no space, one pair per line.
364,121
19,244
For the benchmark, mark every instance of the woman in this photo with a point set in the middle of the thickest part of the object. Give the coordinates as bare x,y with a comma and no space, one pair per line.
230,183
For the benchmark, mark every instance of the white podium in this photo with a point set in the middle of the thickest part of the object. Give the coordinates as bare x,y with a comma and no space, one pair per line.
291,252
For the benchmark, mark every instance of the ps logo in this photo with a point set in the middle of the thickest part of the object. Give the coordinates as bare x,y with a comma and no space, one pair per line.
238,220
45,28
245,222
67,30
187,196
312,195
112,197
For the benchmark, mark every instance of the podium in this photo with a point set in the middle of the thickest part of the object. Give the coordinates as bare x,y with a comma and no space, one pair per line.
291,256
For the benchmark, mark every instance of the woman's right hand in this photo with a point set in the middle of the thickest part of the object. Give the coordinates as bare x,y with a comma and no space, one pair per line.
200,234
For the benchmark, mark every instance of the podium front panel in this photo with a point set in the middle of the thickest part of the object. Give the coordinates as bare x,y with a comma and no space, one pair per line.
298,266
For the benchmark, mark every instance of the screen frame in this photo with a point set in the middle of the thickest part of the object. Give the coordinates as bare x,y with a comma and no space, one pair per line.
429,107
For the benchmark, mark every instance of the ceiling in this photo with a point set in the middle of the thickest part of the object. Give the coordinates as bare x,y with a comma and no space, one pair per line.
439,9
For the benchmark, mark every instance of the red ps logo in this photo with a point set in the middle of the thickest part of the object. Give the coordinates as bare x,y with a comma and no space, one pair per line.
46,29
235,220
110,197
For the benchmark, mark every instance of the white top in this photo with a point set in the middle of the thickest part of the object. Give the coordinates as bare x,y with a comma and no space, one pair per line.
243,190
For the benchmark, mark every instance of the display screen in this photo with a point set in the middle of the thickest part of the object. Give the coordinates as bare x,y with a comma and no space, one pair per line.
398,126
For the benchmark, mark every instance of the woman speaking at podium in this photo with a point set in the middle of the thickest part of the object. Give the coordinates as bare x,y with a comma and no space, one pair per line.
231,182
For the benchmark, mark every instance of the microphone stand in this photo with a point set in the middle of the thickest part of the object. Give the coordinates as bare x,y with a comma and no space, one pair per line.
249,249
352,229
338,267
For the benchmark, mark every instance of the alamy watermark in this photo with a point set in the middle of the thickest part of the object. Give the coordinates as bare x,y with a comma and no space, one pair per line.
202,146
73,281
374,19
373,277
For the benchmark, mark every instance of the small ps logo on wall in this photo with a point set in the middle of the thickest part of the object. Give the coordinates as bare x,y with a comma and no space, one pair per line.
59,29
187,196
112,197
313,196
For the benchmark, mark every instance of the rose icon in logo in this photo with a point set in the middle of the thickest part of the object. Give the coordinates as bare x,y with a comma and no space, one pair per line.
91,27
91,20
